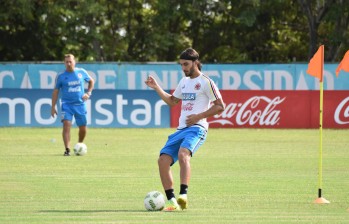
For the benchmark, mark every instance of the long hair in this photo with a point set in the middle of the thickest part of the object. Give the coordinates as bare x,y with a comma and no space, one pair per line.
191,54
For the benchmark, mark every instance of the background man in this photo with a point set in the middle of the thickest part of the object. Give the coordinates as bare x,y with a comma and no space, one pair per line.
71,83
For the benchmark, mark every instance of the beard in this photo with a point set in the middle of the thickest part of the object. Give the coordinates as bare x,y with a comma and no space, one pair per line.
190,72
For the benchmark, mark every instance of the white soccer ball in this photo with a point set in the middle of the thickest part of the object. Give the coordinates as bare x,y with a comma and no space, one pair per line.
80,149
154,201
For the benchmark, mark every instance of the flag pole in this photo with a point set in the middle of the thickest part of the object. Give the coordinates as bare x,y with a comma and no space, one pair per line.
320,199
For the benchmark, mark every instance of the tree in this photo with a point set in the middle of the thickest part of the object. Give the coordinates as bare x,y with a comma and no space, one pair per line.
224,31
328,24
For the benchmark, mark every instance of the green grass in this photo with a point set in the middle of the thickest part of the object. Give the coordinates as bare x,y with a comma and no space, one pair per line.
238,176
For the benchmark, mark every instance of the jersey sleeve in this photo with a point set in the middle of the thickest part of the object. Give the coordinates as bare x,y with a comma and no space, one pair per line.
58,83
212,90
87,77
178,91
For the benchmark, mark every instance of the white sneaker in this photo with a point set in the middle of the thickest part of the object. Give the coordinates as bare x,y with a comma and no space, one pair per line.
183,201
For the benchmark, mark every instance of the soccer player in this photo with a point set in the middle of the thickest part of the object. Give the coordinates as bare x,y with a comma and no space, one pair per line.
200,99
71,83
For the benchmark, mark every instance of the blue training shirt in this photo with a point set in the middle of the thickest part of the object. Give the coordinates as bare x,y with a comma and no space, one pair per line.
72,85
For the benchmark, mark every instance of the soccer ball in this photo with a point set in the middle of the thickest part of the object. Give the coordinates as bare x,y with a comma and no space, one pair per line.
154,201
80,149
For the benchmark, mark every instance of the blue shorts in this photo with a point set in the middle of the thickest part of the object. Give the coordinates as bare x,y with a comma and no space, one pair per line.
190,138
77,111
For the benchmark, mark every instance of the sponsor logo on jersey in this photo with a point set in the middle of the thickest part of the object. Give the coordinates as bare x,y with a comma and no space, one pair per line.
189,96
74,83
74,89
188,107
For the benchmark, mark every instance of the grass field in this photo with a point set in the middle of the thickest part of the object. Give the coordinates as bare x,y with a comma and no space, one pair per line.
238,176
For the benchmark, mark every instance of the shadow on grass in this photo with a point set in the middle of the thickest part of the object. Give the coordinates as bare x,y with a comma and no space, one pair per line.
90,211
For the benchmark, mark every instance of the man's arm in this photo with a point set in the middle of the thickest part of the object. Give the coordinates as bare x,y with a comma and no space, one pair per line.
166,97
54,101
90,86
217,108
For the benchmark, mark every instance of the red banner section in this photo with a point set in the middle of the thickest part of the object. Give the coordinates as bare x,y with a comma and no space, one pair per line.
279,109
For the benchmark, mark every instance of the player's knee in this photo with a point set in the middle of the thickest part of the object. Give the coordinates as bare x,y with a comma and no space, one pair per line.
184,156
164,160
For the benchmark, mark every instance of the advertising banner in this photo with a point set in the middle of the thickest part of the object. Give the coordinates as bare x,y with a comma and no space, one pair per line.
279,109
106,109
127,76
144,109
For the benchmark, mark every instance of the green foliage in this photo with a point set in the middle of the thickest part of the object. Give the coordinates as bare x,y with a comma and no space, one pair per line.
225,31
238,176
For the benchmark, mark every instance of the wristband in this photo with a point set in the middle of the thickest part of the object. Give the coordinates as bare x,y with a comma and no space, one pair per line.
89,93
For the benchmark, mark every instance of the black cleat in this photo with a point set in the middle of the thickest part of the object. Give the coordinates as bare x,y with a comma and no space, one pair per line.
67,152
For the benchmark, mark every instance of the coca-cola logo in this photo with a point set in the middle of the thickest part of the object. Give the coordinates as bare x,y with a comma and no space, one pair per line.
187,107
341,114
259,110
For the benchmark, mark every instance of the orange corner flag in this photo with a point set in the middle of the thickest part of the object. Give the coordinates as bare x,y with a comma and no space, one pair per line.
344,65
316,64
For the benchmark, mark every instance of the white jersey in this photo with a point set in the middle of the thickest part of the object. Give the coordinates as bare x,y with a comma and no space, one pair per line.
196,95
